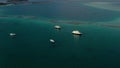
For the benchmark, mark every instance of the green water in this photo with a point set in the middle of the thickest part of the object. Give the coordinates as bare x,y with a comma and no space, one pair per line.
98,47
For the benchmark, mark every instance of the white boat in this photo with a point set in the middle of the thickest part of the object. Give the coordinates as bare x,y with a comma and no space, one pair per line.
12,34
57,27
76,32
52,41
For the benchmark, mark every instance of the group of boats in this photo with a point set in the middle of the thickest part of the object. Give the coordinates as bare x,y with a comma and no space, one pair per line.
75,32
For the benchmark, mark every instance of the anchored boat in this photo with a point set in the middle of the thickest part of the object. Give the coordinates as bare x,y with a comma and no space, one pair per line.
12,34
76,32
57,27
52,41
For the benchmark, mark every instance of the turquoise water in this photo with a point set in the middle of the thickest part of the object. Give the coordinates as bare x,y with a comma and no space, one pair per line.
98,47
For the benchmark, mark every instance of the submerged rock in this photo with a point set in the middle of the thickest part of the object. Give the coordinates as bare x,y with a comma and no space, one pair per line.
111,25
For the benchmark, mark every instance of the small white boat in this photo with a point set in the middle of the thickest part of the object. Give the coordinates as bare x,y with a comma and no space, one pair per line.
57,27
76,32
12,34
52,41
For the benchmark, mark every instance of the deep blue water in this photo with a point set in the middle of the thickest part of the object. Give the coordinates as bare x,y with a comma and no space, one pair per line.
98,47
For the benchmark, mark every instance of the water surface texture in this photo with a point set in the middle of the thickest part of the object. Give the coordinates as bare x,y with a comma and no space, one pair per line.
98,47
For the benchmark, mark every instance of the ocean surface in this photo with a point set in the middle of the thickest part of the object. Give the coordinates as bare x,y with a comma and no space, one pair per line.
98,47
